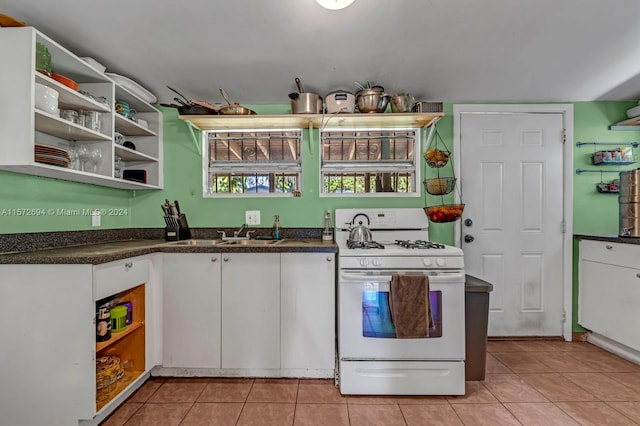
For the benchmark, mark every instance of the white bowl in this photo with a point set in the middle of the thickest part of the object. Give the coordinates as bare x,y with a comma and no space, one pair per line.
94,64
46,98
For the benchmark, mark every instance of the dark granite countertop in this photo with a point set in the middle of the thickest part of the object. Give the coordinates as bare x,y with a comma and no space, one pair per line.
609,238
104,252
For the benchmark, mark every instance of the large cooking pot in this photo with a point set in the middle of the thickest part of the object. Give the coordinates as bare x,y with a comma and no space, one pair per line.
360,233
305,102
372,100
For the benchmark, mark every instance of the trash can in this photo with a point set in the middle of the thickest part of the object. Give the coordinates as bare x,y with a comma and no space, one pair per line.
476,310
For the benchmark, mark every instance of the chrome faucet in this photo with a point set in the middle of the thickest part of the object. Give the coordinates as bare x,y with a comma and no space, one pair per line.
236,234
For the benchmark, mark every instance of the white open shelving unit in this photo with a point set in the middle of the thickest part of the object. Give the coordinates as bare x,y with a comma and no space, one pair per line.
23,125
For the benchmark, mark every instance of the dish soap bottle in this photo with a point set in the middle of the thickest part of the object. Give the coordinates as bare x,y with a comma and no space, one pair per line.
327,230
276,227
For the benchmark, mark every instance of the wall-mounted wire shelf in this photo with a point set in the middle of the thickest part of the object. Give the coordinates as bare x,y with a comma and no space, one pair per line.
631,144
579,171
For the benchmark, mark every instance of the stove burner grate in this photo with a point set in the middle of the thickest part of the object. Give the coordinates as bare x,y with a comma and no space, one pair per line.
419,244
364,245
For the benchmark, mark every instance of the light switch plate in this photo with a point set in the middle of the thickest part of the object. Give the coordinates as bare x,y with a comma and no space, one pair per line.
95,218
252,217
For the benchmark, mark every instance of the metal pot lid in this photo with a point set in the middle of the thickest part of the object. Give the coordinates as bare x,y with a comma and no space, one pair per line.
334,92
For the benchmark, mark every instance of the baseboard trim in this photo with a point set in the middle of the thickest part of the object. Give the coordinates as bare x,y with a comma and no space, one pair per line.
612,346
540,338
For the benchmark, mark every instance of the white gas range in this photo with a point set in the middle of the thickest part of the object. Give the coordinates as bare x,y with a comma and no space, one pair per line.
372,359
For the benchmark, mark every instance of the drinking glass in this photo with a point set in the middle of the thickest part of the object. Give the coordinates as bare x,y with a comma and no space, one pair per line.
103,384
127,366
83,156
95,157
118,167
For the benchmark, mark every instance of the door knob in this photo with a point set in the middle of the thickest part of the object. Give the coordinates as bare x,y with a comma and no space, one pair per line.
468,222
468,238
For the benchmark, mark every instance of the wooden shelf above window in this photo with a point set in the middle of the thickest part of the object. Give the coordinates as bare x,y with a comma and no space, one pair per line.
302,121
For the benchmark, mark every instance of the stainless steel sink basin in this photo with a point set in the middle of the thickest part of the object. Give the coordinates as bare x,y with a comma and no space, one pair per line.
197,242
252,242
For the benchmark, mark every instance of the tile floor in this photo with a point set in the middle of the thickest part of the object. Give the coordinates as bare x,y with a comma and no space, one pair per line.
527,383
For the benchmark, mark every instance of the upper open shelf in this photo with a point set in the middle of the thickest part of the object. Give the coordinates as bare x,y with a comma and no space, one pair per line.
318,121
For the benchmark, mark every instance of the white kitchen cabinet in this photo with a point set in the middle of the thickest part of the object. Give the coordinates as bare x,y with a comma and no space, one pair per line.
609,291
47,355
49,347
191,310
250,310
24,126
308,312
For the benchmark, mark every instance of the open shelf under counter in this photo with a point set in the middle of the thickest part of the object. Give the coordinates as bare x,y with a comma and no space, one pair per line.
71,99
115,337
130,128
56,126
119,386
301,121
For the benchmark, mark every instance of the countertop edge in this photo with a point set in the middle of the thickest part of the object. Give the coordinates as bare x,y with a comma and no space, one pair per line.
81,254
608,238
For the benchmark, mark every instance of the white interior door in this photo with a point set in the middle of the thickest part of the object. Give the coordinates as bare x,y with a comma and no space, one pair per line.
511,171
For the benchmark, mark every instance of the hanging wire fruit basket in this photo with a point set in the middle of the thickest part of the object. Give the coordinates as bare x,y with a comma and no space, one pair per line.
443,210
437,158
439,185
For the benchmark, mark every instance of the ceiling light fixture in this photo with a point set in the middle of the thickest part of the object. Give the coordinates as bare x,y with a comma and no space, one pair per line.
334,4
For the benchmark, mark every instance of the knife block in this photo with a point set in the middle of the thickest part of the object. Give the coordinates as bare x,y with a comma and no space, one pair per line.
180,232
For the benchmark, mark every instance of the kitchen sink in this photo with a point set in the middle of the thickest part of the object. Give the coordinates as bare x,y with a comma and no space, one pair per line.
197,242
252,242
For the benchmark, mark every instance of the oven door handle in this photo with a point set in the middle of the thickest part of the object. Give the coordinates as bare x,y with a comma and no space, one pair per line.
434,277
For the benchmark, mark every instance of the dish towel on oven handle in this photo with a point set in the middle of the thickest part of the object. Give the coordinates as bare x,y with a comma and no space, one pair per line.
409,305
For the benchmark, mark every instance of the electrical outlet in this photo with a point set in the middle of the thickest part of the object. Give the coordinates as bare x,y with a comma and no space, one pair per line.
252,217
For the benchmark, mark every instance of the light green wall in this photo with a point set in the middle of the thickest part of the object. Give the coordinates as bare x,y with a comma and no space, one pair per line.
596,213
33,195
183,181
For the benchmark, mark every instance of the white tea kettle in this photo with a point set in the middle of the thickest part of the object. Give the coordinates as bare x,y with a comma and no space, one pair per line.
359,233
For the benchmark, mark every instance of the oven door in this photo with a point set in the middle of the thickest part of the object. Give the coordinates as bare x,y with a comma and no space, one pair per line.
365,328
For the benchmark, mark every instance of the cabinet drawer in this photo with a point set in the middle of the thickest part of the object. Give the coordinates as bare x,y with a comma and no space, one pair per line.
627,255
114,277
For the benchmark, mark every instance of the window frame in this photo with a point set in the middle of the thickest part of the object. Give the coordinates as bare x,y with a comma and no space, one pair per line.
256,167
376,165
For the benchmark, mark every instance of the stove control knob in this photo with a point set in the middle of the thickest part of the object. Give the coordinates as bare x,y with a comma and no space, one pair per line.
441,262
427,261
377,262
364,262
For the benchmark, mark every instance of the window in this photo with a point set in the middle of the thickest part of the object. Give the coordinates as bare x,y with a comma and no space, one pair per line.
371,161
252,162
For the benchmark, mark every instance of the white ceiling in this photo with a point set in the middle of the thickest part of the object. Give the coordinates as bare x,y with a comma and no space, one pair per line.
439,50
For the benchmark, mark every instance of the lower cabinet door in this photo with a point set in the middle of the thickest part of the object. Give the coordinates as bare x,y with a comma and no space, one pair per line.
191,310
251,310
48,344
608,302
308,311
